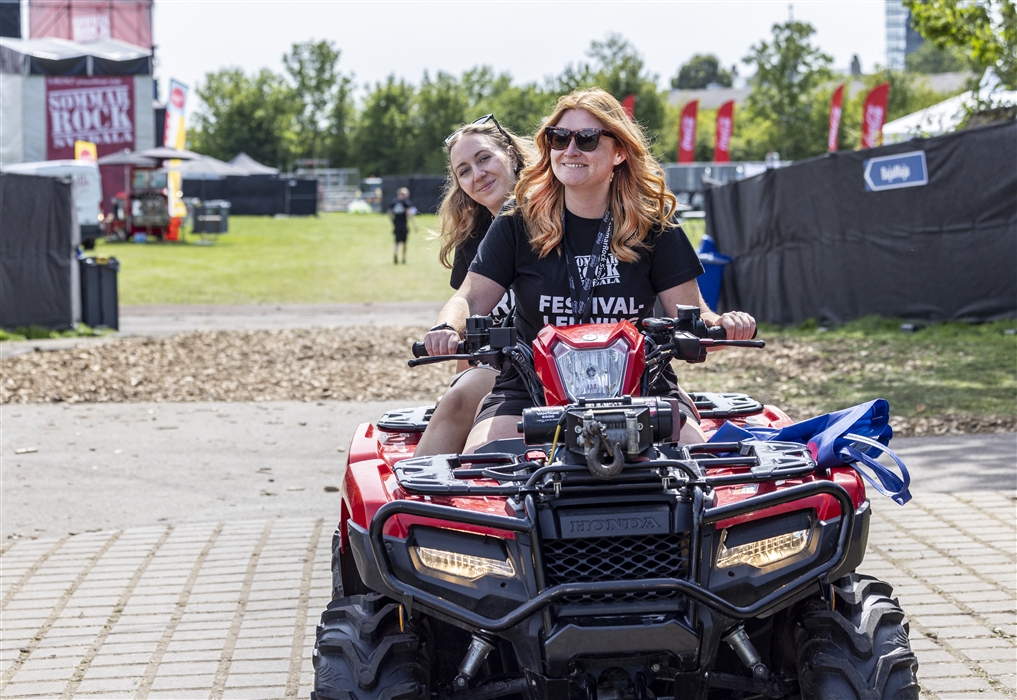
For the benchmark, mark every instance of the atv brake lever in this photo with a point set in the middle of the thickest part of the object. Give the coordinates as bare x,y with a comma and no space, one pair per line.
430,360
706,342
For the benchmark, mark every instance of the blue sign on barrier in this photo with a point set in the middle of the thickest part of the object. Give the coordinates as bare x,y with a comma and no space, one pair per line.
896,171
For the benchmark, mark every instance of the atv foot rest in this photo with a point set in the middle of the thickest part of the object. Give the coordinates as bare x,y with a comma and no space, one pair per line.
406,420
716,405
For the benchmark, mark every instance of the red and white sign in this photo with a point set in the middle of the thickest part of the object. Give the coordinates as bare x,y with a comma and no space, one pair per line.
87,21
874,116
98,109
174,134
725,127
835,111
687,133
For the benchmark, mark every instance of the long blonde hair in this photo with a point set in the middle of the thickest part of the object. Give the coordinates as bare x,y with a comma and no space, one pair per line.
638,195
459,215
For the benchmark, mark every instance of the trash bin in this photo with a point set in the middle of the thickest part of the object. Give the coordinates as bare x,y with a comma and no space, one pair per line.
713,275
212,216
99,301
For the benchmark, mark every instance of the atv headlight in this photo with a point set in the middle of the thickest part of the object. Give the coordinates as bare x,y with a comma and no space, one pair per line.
763,552
462,566
593,374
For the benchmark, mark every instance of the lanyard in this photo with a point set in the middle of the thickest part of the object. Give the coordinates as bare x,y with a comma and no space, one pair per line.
583,308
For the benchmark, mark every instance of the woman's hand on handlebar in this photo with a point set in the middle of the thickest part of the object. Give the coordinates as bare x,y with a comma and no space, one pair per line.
441,342
738,325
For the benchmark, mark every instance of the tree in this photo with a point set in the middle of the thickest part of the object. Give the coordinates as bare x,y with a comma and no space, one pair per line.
619,69
441,107
702,70
930,59
341,115
239,113
517,107
788,69
312,67
385,138
985,30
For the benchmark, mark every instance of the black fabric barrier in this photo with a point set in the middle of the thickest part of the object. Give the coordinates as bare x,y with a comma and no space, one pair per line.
809,242
38,276
425,191
258,195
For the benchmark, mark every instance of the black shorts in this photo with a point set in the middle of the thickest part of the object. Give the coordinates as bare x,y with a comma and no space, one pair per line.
400,236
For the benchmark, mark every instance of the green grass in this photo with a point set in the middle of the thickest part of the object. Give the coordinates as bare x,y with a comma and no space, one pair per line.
39,333
943,368
333,258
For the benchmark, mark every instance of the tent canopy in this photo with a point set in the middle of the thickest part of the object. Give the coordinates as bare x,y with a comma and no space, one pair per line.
207,168
48,56
251,166
946,116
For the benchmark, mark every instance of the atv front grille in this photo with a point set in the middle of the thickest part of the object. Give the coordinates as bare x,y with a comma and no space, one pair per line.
617,559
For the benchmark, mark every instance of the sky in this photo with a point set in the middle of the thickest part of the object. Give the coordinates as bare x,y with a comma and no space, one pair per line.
529,40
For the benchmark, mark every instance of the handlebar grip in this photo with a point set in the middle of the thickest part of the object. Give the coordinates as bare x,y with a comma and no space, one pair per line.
419,350
716,333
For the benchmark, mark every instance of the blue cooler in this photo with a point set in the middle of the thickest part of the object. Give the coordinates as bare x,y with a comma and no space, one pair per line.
713,264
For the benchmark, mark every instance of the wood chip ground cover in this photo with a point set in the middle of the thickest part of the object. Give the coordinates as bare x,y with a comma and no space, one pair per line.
802,376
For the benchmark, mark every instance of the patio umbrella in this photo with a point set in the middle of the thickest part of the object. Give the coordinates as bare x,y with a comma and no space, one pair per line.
163,153
128,158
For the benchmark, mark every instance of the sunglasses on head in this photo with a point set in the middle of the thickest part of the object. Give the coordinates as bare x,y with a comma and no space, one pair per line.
586,139
477,122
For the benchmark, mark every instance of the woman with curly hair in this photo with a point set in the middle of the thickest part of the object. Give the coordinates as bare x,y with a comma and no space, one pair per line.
591,238
484,160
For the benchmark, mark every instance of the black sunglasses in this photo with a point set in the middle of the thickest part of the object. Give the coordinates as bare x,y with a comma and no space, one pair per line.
482,120
586,139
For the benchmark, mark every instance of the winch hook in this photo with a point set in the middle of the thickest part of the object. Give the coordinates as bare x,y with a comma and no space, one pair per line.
594,437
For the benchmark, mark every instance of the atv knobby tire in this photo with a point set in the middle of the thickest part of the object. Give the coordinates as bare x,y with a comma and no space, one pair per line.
361,654
860,649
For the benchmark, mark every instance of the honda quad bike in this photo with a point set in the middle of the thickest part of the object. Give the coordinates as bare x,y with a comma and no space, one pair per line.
596,556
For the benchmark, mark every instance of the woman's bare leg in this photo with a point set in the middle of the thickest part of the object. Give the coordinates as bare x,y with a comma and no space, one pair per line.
490,429
452,420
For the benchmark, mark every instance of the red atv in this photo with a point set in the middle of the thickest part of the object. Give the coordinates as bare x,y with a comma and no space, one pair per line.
597,558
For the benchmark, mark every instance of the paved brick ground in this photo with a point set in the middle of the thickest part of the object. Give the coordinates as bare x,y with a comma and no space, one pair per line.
228,610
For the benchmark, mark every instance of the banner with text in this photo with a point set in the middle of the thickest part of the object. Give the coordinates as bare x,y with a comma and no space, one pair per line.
725,127
88,21
836,102
97,109
687,133
874,116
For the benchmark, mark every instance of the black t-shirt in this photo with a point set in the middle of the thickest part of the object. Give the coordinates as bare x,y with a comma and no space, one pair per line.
621,290
464,255
399,209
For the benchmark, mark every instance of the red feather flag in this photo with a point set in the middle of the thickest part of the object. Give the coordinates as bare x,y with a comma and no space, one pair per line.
687,133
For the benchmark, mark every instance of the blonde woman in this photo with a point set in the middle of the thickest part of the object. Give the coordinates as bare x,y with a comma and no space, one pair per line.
590,239
484,161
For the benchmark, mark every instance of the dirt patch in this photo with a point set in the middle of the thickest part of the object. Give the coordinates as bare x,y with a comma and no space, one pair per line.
369,364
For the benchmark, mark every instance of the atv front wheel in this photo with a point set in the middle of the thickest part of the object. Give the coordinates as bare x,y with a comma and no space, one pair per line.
860,649
361,653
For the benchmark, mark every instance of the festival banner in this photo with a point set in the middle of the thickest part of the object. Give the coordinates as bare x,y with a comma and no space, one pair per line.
874,116
629,105
725,126
687,133
833,134
175,136
96,109
88,21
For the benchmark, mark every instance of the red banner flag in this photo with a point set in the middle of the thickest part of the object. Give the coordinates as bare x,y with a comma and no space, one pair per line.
629,105
687,133
725,126
874,116
835,110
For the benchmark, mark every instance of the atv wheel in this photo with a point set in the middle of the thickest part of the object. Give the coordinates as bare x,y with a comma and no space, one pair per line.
361,654
859,650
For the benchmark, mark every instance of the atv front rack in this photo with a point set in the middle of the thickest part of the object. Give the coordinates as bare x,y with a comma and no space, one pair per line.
411,595
473,474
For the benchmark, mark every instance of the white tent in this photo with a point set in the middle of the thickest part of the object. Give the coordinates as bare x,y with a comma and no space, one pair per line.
946,116
251,166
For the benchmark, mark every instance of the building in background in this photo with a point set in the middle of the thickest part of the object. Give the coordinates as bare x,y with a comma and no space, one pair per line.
901,37
10,18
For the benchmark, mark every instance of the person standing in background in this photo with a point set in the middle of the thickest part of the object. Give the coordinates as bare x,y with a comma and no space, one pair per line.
403,213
